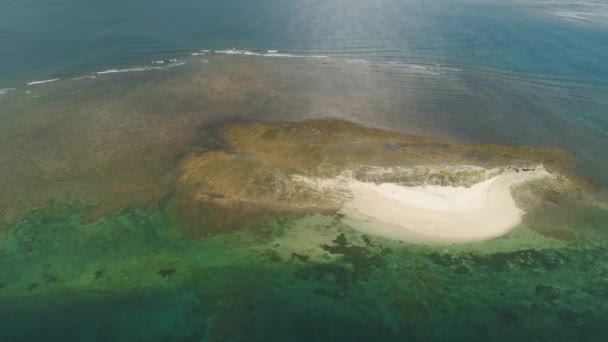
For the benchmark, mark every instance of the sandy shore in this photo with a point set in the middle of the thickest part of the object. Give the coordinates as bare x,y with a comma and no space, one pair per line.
434,213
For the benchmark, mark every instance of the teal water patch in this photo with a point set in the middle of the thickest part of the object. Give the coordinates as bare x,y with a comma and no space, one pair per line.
72,36
134,276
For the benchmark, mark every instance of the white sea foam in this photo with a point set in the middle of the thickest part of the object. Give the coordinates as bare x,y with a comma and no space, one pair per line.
287,55
115,71
165,61
431,69
165,64
84,77
201,53
140,69
435,69
42,82
573,15
270,53
6,90
230,52
575,11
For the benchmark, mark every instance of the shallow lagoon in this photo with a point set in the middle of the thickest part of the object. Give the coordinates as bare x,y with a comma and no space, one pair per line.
135,275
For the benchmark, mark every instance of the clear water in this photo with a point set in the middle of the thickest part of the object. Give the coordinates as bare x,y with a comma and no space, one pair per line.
478,71
55,37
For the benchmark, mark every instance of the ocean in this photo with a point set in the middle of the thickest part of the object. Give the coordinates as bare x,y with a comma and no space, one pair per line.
99,101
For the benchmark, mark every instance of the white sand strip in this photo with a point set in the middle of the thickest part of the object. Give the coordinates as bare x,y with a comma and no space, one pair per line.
435,213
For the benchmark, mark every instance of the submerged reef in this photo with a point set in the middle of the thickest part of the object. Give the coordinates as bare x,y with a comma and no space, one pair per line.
62,277
242,248
228,176
284,168
276,259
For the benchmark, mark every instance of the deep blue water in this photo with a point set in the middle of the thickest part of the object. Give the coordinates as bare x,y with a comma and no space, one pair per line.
41,37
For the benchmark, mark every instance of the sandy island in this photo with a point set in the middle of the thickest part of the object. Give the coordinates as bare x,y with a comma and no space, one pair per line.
438,213
386,183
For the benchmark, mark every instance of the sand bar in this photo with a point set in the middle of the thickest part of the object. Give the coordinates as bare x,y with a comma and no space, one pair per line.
482,211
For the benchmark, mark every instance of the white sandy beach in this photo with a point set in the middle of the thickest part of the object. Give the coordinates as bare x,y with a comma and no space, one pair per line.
433,213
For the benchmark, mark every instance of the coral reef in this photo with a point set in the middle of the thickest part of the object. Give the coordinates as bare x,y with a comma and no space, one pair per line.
262,169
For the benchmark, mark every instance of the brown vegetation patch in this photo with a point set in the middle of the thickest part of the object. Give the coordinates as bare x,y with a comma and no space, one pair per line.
253,176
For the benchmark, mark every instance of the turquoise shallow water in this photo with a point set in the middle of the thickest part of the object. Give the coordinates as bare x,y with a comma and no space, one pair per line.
131,276
497,71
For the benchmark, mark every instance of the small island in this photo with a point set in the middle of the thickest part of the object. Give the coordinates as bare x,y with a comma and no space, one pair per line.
382,182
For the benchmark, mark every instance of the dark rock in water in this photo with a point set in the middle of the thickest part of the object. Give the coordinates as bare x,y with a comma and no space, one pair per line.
49,278
368,242
299,257
461,270
341,240
167,272
513,168
529,259
327,293
354,265
445,260
548,293
98,274
506,316
272,255
570,318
